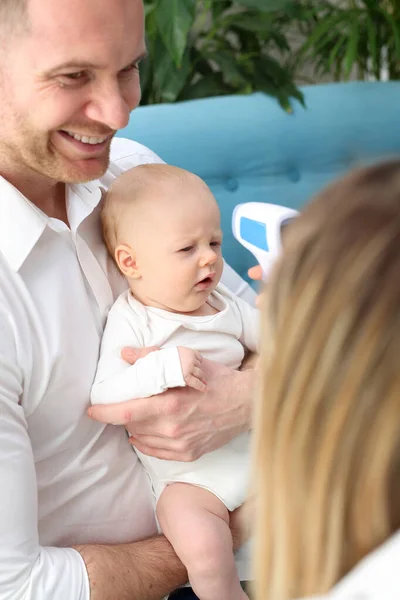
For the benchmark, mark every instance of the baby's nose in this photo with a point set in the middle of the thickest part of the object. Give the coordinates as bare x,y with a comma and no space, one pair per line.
208,258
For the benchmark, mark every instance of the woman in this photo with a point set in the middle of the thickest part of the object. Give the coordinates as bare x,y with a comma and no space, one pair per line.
327,432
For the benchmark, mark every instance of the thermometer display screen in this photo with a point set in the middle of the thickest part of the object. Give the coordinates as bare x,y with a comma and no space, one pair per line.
254,232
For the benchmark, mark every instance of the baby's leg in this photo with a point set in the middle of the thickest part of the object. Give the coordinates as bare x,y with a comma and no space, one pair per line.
197,525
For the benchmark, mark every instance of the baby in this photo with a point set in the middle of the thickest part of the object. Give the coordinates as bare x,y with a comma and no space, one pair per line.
162,226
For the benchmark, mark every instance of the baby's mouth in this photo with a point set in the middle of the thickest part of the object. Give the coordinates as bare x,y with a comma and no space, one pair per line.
207,281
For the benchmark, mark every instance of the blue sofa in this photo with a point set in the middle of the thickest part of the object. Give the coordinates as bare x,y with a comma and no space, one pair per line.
247,149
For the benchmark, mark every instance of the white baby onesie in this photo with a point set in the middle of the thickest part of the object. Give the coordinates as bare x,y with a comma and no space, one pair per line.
222,337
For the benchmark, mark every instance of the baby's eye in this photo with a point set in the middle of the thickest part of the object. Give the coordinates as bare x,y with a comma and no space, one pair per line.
215,244
186,249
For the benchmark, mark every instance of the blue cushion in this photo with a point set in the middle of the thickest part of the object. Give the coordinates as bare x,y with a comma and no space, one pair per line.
247,149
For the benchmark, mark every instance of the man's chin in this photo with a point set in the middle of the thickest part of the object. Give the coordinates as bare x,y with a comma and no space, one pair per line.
86,171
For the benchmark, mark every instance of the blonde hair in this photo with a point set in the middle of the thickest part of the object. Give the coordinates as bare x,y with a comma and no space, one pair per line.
129,189
327,424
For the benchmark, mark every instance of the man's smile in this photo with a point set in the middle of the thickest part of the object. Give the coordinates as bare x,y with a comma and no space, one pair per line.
85,144
87,139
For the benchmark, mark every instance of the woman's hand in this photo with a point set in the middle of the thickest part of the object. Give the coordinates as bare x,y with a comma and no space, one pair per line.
255,273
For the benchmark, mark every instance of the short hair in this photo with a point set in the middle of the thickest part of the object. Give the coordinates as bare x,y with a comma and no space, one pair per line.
129,188
327,426
14,13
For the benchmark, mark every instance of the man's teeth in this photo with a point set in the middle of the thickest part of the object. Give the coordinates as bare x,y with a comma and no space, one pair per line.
87,140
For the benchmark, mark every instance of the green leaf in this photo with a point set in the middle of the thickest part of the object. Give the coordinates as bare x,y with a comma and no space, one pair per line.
271,78
210,85
149,7
151,25
229,67
335,52
218,7
373,46
216,47
255,23
395,30
294,92
280,41
174,20
319,33
201,64
352,47
284,101
168,79
266,6
272,69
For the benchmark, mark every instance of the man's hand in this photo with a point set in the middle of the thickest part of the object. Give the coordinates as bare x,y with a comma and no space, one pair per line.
191,368
183,424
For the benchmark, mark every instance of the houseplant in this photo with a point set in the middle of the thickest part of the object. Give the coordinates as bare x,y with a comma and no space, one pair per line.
343,38
217,47
201,48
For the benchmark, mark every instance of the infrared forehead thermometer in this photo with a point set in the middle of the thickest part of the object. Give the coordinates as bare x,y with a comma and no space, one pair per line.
259,227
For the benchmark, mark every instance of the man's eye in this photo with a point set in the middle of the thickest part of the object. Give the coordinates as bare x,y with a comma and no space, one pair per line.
75,76
130,68
73,80
186,249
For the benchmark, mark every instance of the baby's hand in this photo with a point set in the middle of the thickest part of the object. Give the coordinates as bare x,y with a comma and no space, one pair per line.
192,372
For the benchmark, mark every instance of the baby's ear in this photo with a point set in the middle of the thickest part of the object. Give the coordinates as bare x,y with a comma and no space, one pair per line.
126,261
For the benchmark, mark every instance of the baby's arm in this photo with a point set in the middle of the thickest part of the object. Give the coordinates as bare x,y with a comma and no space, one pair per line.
117,381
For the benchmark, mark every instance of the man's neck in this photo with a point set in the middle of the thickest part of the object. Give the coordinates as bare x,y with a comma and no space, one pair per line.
47,195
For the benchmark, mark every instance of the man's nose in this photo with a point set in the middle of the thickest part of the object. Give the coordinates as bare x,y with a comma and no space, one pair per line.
208,257
112,107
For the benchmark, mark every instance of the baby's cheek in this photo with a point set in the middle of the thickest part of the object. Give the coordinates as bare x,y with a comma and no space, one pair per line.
219,266
162,284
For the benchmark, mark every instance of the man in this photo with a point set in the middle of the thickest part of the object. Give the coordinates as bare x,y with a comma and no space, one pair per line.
74,499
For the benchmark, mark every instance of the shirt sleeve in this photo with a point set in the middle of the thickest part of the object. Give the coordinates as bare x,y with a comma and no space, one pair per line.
28,571
116,380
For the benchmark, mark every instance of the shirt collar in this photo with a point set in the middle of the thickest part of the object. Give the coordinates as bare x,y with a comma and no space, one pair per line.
22,223
137,307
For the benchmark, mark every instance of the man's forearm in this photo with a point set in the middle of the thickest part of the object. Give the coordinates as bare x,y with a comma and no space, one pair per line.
146,570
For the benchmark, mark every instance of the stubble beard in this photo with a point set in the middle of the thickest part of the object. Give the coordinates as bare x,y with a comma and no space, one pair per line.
34,152
49,162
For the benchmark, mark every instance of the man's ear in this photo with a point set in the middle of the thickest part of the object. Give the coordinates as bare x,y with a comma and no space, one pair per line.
126,261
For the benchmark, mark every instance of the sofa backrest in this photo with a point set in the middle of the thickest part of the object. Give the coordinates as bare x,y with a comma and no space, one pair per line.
248,149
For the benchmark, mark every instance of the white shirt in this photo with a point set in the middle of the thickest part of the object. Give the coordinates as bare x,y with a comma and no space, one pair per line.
222,336
65,479
377,577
